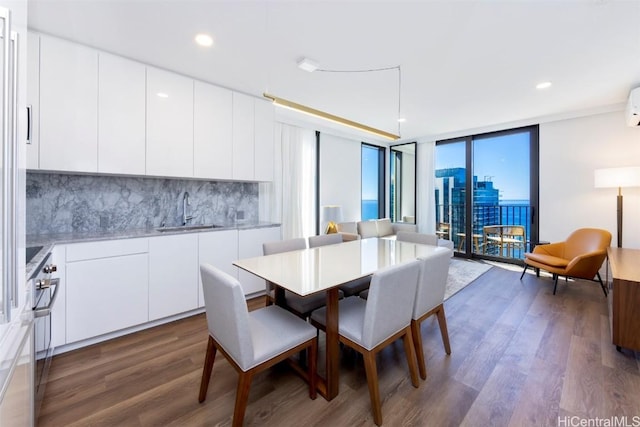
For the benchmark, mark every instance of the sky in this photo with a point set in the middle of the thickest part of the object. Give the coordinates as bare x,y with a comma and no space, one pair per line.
501,159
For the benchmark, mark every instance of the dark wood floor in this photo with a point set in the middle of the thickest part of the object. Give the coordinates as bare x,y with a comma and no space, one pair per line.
520,356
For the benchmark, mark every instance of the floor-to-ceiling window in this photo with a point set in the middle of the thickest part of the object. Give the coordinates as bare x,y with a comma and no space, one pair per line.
372,182
492,179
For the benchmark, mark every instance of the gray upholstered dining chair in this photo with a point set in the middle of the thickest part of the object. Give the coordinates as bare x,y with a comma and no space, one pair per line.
250,341
325,239
302,306
348,289
429,300
370,325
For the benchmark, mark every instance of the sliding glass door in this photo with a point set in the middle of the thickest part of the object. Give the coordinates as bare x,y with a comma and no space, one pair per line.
493,180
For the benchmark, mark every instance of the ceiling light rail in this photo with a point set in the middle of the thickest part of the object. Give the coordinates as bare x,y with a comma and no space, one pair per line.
330,117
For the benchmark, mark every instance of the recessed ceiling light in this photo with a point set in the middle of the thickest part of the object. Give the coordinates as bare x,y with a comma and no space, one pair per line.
543,85
162,95
307,64
204,40
402,120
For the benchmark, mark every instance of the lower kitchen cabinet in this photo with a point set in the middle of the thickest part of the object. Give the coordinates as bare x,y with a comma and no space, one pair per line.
249,246
105,295
173,275
219,249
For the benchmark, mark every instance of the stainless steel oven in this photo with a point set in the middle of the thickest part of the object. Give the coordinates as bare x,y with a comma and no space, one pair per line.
44,288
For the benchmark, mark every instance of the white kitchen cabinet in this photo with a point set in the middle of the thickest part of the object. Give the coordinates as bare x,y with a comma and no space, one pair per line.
243,137
220,249
212,132
169,124
249,246
263,145
173,275
68,106
33,100
121,115
107,287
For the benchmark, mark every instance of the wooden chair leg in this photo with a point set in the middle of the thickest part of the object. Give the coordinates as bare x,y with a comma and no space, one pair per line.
313,358
442,322
411,356
417,345
242,397
371,372
555,283
207,369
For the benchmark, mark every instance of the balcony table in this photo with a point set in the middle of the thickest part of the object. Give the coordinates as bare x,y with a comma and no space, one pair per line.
323,269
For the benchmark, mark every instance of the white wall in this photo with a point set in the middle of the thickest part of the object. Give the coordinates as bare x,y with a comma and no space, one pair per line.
570,151
340,176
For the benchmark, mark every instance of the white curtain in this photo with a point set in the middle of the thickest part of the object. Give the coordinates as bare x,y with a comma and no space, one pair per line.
426,210
290,199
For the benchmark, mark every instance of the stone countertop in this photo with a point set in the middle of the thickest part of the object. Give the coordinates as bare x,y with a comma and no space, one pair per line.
48,241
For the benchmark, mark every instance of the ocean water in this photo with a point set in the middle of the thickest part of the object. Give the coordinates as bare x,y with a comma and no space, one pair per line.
369,209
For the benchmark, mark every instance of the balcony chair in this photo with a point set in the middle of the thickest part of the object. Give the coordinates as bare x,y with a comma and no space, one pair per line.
368,326
250,341
301,306
580,256
509,237
348,289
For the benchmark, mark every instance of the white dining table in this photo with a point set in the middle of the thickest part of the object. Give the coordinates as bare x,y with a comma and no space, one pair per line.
323,269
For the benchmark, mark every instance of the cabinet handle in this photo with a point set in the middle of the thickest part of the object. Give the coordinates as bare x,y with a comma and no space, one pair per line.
29,124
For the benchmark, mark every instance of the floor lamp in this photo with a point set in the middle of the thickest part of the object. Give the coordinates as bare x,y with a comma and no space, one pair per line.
618,177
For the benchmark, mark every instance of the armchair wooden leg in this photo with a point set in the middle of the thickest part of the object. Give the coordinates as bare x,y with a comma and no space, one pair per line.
417,345
371,372
555,283
442,322
242,397
207,369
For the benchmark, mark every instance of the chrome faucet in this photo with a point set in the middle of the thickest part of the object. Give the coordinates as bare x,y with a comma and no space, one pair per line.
185,202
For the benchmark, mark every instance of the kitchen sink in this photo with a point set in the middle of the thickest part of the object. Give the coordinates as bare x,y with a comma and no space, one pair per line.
188,227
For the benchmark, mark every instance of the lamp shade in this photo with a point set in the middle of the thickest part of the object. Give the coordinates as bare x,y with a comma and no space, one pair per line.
617,177
332,213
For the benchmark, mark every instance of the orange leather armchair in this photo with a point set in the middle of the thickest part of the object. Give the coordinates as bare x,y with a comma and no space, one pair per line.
580,256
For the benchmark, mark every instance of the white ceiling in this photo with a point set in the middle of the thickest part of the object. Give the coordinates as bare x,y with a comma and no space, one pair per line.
464,64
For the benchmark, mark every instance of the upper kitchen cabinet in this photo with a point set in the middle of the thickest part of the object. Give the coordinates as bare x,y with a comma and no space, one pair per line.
243,137
263,149
212,132
169,124
33,100
68,106
121,115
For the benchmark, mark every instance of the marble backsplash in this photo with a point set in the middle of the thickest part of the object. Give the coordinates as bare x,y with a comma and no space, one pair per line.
57,203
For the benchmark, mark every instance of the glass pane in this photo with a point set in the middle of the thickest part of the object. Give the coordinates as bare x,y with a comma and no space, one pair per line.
501,183
370,182
403,183
450,192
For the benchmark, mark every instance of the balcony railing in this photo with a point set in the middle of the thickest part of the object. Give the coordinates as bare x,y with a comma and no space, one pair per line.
505,215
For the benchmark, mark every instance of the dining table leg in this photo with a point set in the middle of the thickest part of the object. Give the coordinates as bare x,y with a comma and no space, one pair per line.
332,345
